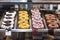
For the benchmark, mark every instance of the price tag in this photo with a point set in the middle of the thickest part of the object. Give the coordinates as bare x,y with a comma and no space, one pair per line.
8,33
59,7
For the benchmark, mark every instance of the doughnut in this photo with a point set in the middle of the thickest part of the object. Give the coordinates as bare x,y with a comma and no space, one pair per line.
42,26
12,14
8,17
36,26
49,15
52,21
24,26
53,26
25,18
7,24
22,22
48,18
22,12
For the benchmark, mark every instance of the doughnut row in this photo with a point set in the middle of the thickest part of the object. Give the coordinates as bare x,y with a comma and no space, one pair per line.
8,20
51,21
23,20
36,19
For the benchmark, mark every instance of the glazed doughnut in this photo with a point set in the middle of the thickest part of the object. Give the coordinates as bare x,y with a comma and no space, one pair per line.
52,21
53,26
50,15
48,18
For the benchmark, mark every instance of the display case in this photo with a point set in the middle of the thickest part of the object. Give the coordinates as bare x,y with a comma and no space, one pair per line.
18,15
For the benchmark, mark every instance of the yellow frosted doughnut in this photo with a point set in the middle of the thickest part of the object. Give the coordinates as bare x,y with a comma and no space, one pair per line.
25,12
20,22
24,26
20,11
26,18
20,15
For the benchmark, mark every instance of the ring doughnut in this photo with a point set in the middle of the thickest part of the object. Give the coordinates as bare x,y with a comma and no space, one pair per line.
53,25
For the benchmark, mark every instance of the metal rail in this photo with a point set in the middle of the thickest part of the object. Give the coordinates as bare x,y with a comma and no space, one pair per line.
41,2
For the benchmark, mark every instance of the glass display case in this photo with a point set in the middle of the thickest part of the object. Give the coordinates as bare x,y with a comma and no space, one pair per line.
29,20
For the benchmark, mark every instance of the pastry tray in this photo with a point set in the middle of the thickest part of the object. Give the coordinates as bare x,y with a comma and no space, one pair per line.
50,12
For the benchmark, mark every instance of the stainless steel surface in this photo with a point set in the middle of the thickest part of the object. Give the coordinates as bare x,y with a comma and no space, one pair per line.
42,30
13,0
2,30
57,37
54,1
29,30
49,1
21,30
56,30
43,0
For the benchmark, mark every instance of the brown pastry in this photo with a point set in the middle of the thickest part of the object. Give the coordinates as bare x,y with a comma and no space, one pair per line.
48,18
52,21
53,26
49,15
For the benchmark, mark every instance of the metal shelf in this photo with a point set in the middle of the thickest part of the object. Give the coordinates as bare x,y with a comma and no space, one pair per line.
41,2
56,30
57,37
30,30
2,30
21,30
42,30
